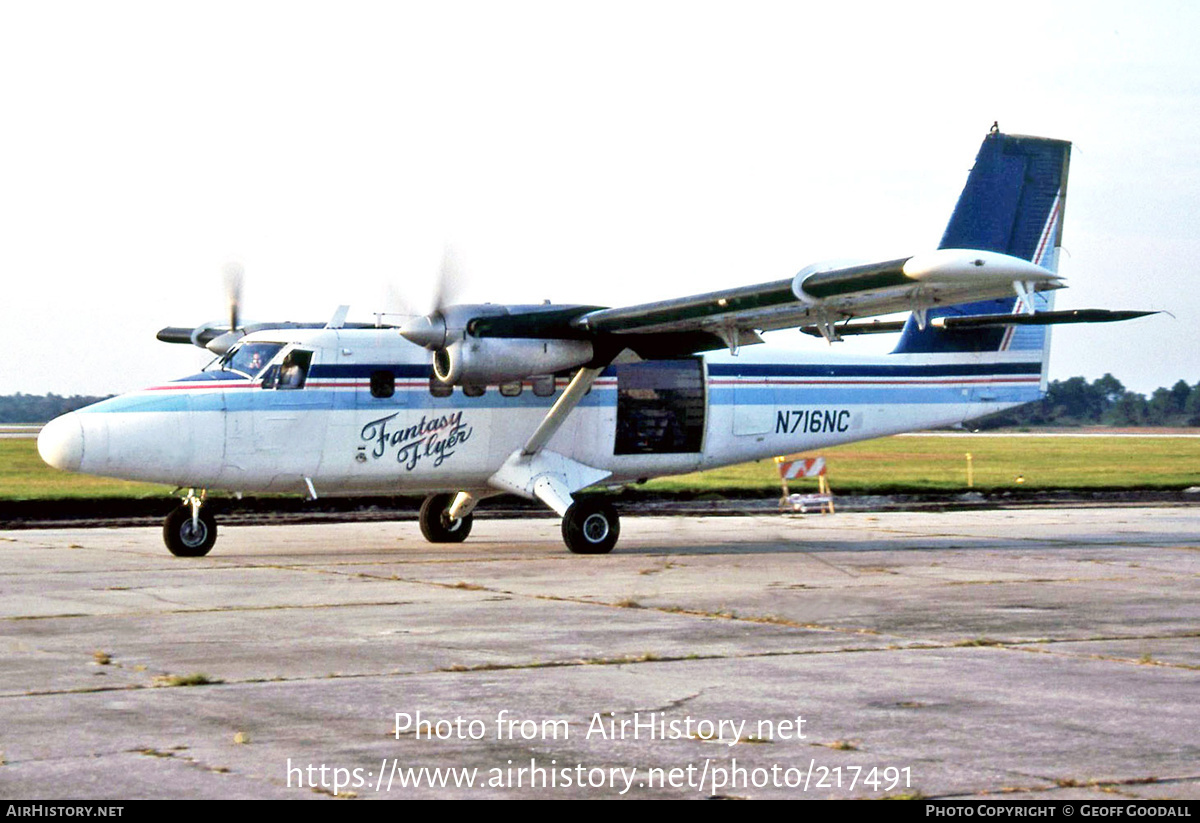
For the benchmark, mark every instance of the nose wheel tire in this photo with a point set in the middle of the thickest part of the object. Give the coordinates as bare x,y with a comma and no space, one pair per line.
591,527
187,539
436,526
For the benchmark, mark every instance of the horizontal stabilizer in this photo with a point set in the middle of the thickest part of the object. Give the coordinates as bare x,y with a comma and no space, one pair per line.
1042,318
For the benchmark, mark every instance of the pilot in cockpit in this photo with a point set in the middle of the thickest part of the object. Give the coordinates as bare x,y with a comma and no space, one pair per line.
290,376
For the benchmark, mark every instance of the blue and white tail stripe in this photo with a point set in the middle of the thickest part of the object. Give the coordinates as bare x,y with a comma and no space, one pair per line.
1013,204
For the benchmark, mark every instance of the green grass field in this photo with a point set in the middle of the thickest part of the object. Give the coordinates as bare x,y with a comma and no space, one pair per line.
939,464
921,463
23,476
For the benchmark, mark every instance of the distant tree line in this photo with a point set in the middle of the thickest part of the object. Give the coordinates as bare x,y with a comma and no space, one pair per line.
35,408
1103,402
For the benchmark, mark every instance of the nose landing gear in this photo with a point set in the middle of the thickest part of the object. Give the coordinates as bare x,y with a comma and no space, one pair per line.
436,524
190,530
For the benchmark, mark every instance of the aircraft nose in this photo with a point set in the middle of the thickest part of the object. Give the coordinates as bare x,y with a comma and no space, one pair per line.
60,443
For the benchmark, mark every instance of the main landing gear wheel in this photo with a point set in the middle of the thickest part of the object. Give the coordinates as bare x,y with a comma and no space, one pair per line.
591,527
186,538
437,526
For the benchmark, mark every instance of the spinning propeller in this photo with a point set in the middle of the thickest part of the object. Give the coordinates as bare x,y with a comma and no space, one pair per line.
234,273
429,328
214,336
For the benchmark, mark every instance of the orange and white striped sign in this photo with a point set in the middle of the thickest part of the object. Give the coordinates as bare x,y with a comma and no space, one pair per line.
804,467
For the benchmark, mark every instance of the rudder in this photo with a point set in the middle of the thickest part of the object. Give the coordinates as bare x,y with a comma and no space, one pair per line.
1012,203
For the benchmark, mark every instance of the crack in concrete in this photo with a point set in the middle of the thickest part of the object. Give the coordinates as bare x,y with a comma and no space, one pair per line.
217,610
632,659
674,704
645,657
1118,785
1109,658
177,755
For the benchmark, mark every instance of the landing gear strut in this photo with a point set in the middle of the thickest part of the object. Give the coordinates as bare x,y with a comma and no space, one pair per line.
190,530
591,527
436,524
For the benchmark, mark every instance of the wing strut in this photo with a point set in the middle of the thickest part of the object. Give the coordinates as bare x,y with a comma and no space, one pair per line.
536,473
575,391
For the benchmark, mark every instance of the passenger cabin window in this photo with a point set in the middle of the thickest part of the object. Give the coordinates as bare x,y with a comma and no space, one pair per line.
512,389
439,389
543,386
474,391
383,383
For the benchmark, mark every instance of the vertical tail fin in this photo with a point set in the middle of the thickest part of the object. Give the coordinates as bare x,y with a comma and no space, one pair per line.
1012,203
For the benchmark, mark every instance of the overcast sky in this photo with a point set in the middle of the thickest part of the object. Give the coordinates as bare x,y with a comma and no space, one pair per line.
607,153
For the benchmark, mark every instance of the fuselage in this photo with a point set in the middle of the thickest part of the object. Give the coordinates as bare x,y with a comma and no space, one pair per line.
342,411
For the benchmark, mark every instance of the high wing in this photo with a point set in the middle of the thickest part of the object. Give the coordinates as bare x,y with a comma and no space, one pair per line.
818,300
825,296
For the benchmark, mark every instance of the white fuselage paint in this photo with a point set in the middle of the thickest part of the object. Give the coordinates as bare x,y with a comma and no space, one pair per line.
235,435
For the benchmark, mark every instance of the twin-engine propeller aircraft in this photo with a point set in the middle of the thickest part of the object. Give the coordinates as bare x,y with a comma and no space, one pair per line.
543,401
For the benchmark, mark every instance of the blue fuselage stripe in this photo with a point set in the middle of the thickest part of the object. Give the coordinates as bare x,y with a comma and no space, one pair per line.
745,384
898,371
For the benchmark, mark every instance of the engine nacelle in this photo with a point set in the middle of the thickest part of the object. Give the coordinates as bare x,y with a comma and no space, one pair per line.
489,361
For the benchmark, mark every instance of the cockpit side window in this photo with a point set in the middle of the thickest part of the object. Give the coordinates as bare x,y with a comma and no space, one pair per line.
293,371
249,359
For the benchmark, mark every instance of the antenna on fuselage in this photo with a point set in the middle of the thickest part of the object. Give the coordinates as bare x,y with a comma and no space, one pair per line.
339,318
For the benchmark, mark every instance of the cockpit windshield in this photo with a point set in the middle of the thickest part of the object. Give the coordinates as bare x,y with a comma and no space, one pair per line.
249,358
